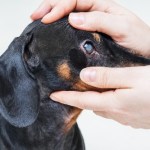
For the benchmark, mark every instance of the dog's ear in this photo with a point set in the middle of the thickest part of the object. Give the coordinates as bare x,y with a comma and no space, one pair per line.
19,96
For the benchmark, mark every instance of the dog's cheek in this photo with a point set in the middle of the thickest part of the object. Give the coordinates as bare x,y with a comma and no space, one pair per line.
64,71
69,75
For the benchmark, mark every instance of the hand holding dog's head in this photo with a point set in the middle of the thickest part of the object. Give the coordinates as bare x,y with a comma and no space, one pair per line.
46,58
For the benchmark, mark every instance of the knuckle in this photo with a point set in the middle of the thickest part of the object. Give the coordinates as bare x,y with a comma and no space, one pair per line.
96,20
92,20
125,28
103,78
80,103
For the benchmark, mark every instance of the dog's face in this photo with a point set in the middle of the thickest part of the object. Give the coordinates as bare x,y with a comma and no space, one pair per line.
62,51
47,58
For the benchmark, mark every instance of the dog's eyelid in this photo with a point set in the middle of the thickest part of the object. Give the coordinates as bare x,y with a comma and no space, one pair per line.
88,47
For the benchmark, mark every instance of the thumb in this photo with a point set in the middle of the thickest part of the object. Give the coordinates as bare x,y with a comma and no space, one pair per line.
97,21
103,77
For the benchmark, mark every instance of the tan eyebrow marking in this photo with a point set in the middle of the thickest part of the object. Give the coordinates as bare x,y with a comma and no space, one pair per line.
96,37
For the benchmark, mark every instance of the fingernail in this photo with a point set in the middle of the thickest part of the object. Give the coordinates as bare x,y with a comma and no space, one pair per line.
54,97
88,75
45,20
77,19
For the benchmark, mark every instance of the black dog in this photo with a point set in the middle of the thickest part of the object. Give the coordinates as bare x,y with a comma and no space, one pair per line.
47,58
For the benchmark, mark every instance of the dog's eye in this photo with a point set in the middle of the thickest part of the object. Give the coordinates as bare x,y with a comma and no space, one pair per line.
88,47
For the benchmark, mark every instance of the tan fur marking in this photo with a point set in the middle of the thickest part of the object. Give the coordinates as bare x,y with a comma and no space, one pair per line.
96,37
71,119
81,86
64,71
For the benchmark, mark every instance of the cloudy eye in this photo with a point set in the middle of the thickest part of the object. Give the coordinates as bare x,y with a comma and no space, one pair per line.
88,47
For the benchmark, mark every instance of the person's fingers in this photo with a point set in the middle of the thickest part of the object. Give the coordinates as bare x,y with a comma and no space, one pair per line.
54,10
43,9
99,15
87,100
55,14
98,21
112,78
62,9
98,5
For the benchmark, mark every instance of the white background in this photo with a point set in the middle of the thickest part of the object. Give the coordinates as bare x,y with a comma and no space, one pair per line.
99,133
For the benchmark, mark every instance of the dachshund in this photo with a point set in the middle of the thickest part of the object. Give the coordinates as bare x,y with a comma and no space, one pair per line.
44,59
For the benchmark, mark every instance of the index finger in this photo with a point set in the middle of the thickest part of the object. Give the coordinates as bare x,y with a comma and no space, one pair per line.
60,10
96,5
64,7
87,100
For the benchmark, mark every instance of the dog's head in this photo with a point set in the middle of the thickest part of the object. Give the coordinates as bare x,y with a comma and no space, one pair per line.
47,58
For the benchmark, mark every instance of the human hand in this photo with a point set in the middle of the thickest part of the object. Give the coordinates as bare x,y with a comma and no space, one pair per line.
52,10
128,103
105,16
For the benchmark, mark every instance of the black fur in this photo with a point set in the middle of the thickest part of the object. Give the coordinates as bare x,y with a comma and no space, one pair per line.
29,120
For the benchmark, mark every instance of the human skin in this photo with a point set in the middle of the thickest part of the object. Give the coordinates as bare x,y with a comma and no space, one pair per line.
129,102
